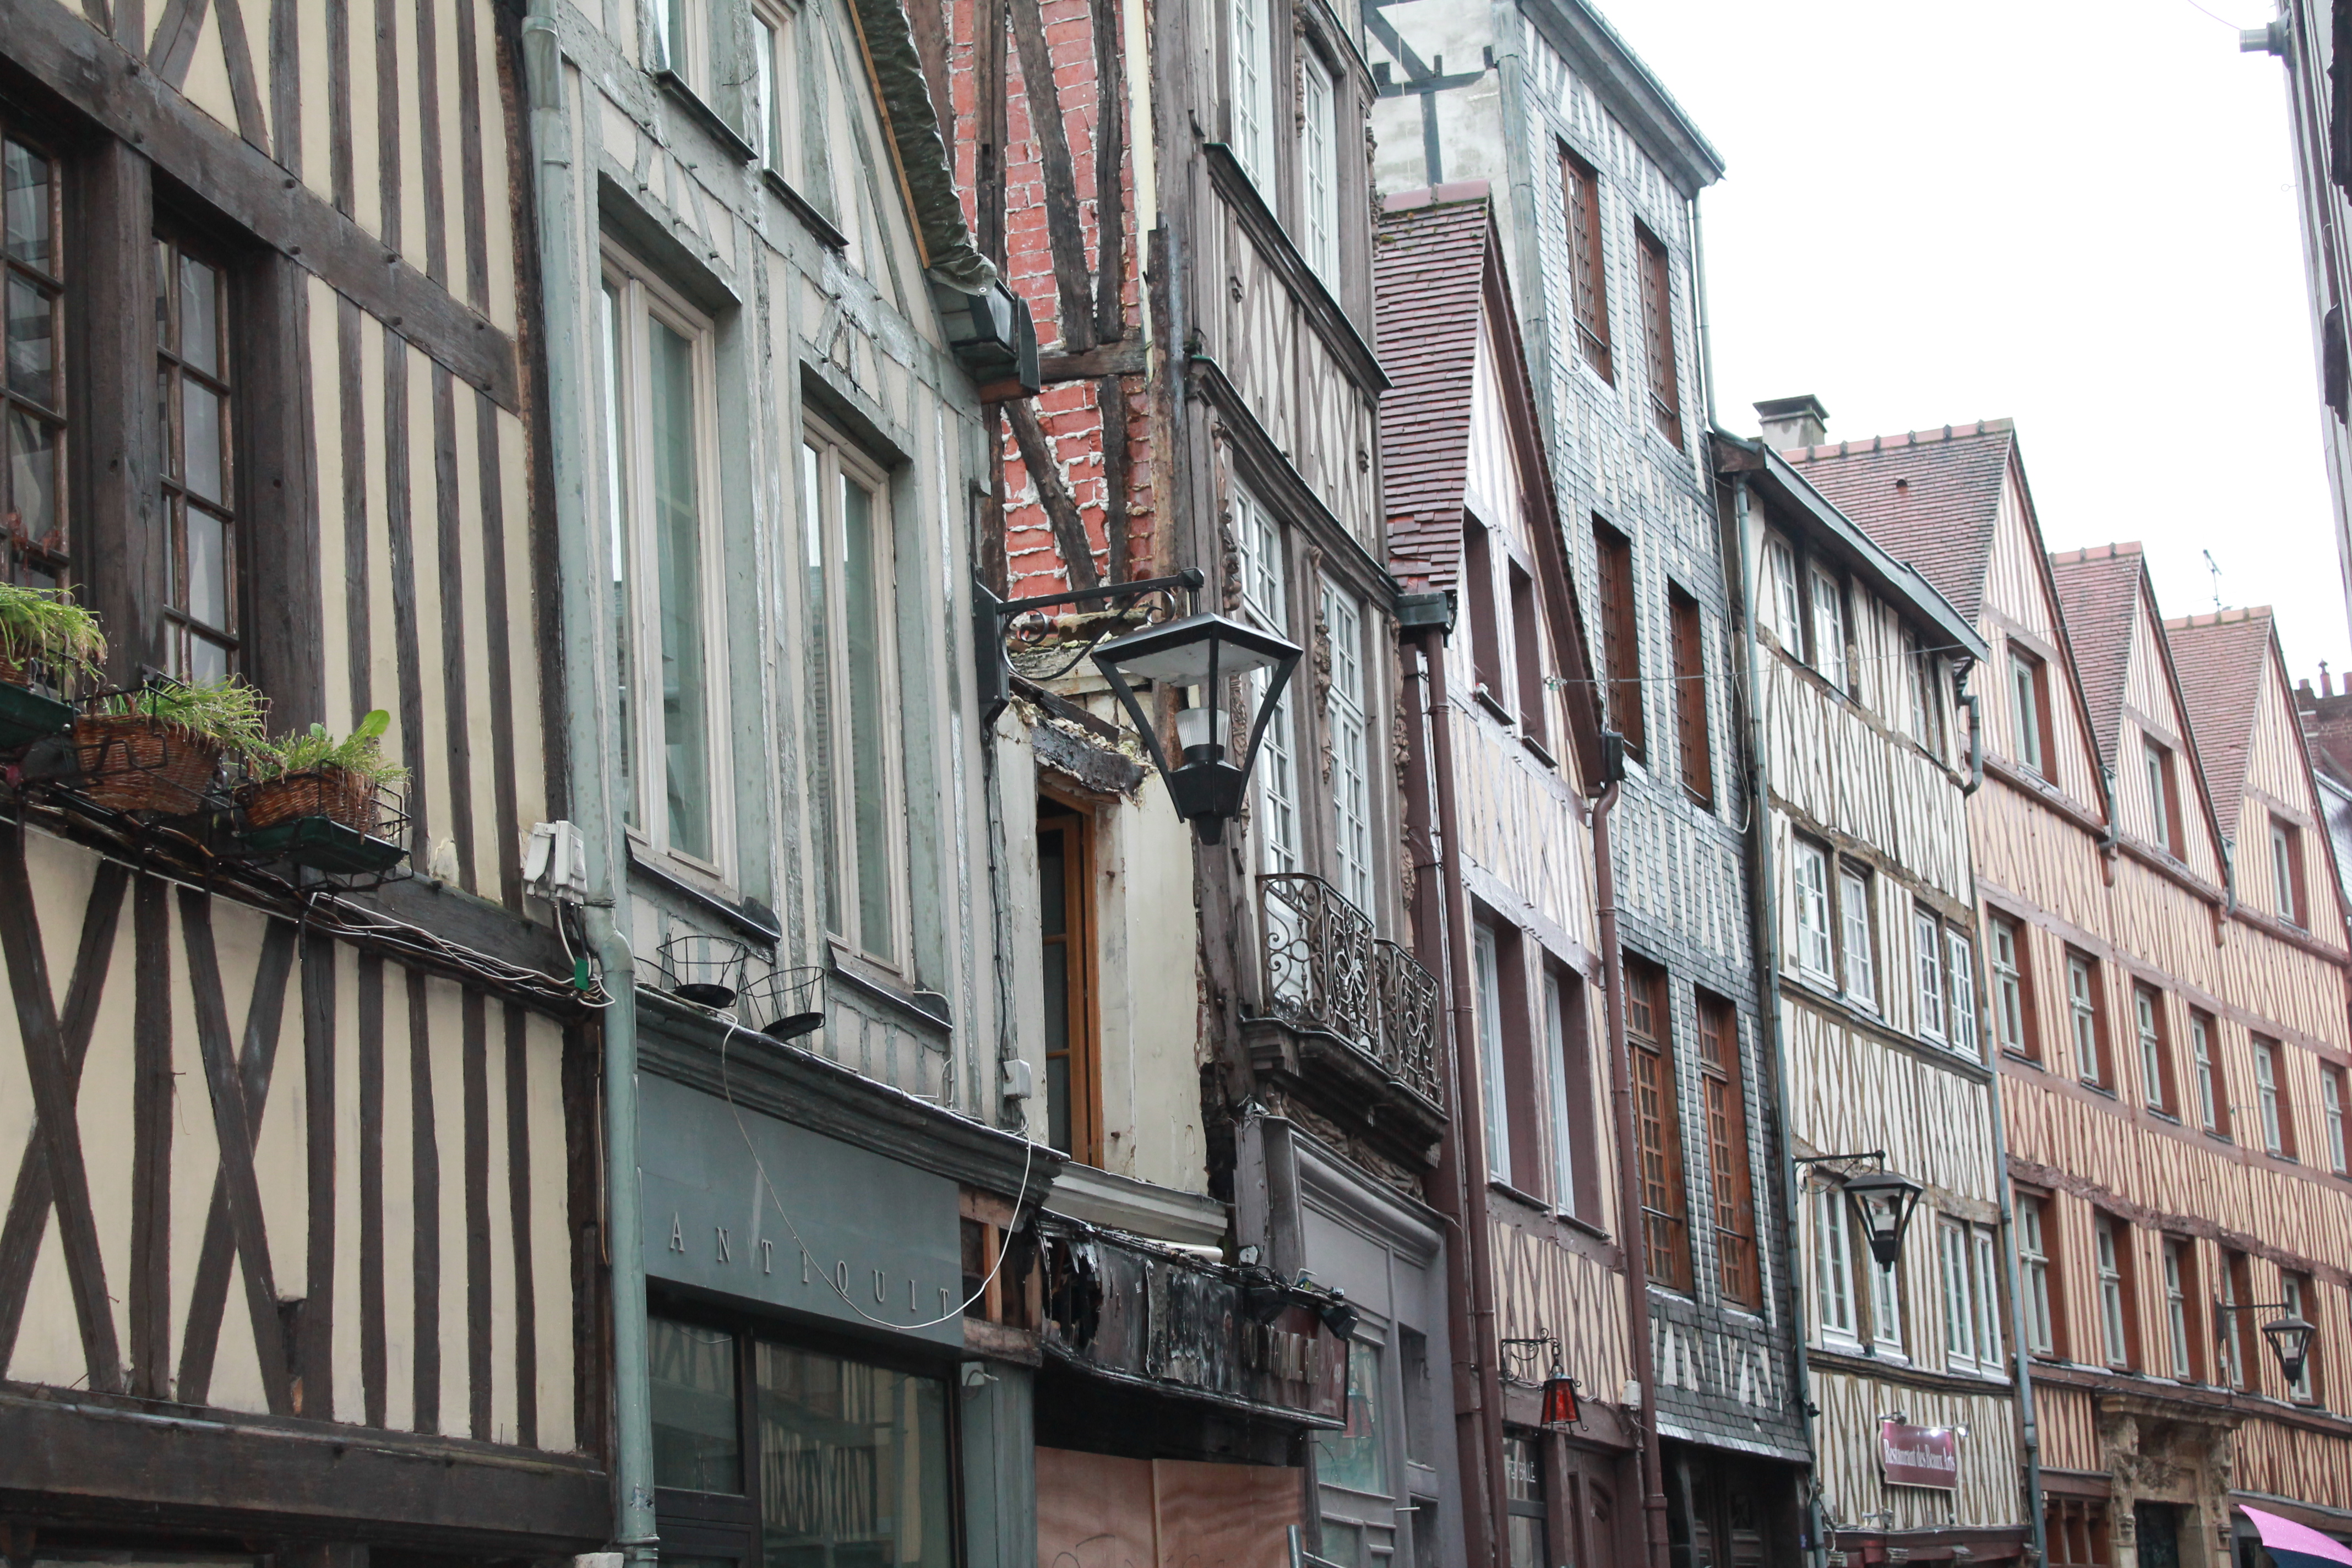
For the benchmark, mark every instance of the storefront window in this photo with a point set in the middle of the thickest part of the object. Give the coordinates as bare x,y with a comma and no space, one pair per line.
1523,1477
1355,1457
853,1464
697,1445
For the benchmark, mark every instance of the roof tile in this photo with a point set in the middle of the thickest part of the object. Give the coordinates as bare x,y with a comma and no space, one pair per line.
2098,593
2219,657
1930,498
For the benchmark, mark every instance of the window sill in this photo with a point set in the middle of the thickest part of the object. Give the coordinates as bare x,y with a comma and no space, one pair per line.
2097,1088
807,211
926,1010
748,917
2022,1059
1542,752
2218,1136
1577,1222
713,123
1485,699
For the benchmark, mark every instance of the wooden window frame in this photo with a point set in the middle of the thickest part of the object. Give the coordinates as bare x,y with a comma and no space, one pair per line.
177,248
1490,996
1828,626
2151,1027
1348,735
2212,1072
2076,1530
1658,1115
1927,967
1984,1267
2297,1290
2175,1253
1664,378
1963,1020
46,559
2046,1305
1809,899
1251,140
2087,1033
1319,163
2237,1289
1527,645
1588,264
1834,1265
1955,1262
2286,871
1857,936
1786,598
2164,794
2013,989
774,119
1689,628
1621,638
1075,823
1484,612
1514,1098
2119,1313
2273,1102
2332,1111
1576,1181
2029,684
1724,1110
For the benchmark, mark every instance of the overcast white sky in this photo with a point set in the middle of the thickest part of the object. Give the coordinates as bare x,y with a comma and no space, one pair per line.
2076,213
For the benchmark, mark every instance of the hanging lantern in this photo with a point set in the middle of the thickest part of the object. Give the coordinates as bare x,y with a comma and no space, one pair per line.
1882,1202
2290,1339
1560,1405
1198,654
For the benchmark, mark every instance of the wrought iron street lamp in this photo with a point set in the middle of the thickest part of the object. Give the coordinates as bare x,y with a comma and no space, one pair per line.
1882,1200
2290,1336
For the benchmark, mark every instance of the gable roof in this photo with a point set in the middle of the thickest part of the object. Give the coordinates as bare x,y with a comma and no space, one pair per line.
2220,656
2098,593
1930,498
1429,271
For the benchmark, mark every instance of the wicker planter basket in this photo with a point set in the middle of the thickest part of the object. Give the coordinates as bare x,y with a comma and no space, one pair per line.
336,793
134,762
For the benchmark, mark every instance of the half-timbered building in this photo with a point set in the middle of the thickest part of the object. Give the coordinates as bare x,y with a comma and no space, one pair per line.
1863,752
301,1253
2164,980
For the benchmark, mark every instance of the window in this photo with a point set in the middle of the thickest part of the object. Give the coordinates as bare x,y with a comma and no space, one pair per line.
2237,1290
1265,601
1250,58
2029,700
1526,634
1726,1136
661,489
697,1434
1580,189
1960,961
2163,801
2331,1110
2040,1328
2011,996
194,427
1620,634
1480,608
1829,629
851,636
773,119
1356,1457
1523,1490
2294,1290
2270,1096
1352,759
1988,1278
2175,1308
1927,955
1065,926
1781,573
1319,169
2155,1053
2083,1021
698,49
1658,335
2076,1530
1921,678
1832,1265
2114,1250
2286,871
2213,1087
1487,974
1887,1309
1658,1126
825,1416
1572,1095
1690,696
1861,968
1810,872
32,398
1952,1251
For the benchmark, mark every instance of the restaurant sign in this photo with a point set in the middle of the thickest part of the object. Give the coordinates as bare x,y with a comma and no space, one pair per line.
1919,1456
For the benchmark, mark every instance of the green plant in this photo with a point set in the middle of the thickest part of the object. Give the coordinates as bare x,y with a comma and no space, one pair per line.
45,626
228,711
358,753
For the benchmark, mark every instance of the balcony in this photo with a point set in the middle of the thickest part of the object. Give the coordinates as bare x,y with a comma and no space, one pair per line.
1348,1021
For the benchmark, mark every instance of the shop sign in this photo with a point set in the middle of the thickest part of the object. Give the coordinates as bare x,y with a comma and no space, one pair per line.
1919,1456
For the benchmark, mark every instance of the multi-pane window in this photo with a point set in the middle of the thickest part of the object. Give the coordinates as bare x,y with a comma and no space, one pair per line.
2034,1269
1829,629
699,48
2176,1308
1658,1128
2083,1019
2212,1088
1580,192
2331,1110
2154,1057
771,120
1927,955
2027,702
1780,571
1726,1135
2164,801
1886,1308
1350,737
1658,335
850,633
1529,1514
1921,682
1832,1265
1318,170
2294,1293
1064,929
2012,1015
1861,966
1620,643
1569,1091
1809,869
1249,58
2237,1290
1265,599
1986,1268
32,398
1487,972
1527,644
1955,1258
1690,696
2112,1248
1959,960
2270,1098
2286,871
194,400
660,484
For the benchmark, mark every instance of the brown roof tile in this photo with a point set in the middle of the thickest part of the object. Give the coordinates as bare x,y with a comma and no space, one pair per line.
1930,497
2098,593
1429,270
2219,657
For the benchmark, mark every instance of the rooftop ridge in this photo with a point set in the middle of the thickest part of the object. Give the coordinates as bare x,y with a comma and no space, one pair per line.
2095,553
1909,439
2235,615
1444,195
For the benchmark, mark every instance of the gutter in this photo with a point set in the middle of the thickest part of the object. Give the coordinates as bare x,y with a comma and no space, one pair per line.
554,193
1975,705
2029,1428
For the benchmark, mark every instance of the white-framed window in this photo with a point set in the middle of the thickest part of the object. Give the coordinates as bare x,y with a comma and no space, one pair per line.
1959,1294
2200,1049
1488,973
2266,1094
2291,1291
1265,600
1780,568
1887,1309
2286,868
2234,1356
770,113
1563,1129
2034,1269
2176,1311
661,494
2158,760
2009,986
1861,964
2147,1025
2025,688
1250,60
1810,870
1959,962
1352,763
1319,169
1985,1263
2113,1343
1915,689
1927,959
2083,1016
1832,1265
850,637
1829,629
2331,1108
697,44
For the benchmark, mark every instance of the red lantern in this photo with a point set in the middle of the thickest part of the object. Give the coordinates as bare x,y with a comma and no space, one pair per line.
1560,1407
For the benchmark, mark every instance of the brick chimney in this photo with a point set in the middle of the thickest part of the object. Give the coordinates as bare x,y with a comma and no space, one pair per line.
1792,422
2326,718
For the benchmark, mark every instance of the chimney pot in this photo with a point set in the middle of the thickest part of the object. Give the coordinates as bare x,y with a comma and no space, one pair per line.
2327,684
1792,422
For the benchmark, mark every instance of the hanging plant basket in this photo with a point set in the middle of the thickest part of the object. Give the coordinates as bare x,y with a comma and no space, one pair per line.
27,715
338,794
707,971
786,1004
134,762
332,819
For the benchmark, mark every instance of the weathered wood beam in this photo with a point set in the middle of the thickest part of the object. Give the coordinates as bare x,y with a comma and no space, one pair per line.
1131,357
1069,528
1064,237
1110,200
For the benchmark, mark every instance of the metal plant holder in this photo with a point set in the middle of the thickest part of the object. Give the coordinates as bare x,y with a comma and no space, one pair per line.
355,841
786,1004
28,715
707,971
139,764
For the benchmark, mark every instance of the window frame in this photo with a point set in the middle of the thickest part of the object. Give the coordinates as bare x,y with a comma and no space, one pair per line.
48,558
1486,984
1788,603
2331,1112
1575,1179
2164,794
2040,1328
775,123
1662,376
2212,1073
2013,988
1082,1034
1828,627
2112,1258
1658,1134
1621,642
2151,1029
1816,919
2296,1290
2286,871
2178,1273
1960,1012
2029,690
1928,963
1956,1259
176,246
1833,1275
1688,625
1526,648
2087,1020
1724,1112
1349,726
1588,264
1250,100
1857,925
2274,1107
1319,168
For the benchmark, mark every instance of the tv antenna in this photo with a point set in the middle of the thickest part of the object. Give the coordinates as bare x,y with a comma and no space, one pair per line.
2214,567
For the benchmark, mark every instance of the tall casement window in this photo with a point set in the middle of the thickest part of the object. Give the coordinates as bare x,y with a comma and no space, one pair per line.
1658,334
1726,1136
1860,956
1249,60
1486,974
32,398
1809,872
1886,1306
1620,643
1780,588
1523,1493
1921,683
2029,700
2155,1050
2213,1087
2331,1110
2012,997
2163,797
2179,1284
2237,1290
2286,871
773,119
1350,738
1527,647
1066,934
1829,629
2040,1327
1657,1126
1959,962
1690,696
661,488
2112,1248
1574,1182
1581,192
194,422
1265,600
1953,1257
2085,1021
1481,610
2270,1098
851,631
1318,170
1928,956
1834,1303
2294,1290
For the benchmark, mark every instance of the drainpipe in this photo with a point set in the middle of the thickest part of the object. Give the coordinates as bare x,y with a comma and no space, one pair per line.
1975,705
2028,1429
1479,1428
1768,1002
1629,1185
633,1522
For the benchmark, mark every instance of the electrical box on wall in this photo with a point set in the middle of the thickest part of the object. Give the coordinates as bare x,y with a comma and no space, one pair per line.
555,864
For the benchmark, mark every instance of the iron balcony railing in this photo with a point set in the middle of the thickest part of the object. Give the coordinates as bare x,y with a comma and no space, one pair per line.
1326,971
